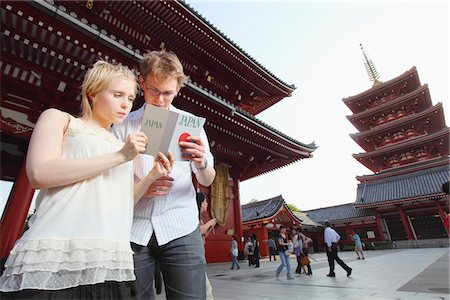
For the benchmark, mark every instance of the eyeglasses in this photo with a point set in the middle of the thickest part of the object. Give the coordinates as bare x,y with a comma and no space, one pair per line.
154,92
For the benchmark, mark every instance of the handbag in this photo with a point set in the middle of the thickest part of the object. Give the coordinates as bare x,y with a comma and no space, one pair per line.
304,260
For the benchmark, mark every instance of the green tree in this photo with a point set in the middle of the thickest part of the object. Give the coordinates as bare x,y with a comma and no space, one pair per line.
292,207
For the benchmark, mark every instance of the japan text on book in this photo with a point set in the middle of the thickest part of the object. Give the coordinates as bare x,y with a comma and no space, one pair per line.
165,129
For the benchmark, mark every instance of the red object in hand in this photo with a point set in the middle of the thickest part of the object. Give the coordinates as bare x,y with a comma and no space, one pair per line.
183,137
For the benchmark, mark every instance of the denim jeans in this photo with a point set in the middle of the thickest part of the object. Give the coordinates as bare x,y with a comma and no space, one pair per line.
284,262
182,264
234,262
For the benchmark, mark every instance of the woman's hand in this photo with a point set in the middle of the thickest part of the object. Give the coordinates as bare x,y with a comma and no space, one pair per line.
134,145
162,166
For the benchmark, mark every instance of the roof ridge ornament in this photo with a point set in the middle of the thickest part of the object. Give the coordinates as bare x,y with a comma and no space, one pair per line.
370,68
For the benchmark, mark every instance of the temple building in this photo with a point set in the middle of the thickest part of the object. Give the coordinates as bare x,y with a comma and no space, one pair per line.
265,217
406,144
47,46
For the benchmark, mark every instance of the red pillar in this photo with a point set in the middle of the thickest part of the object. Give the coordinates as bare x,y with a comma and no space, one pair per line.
440,210
16,211
264,245
380,228
237,212
406,224
442,214
348,232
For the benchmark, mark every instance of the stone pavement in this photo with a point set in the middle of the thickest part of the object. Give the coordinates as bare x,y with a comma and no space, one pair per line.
384,274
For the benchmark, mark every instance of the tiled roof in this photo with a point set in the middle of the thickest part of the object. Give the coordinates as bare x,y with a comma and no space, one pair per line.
261,209
338,212
228,40
412,185
306,220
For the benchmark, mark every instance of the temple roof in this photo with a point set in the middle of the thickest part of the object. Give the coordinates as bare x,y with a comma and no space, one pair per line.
420,96
437,140
230,41
306,220
59,40
409,76
338,213
409,168
262,209
268,209
417,185
437,120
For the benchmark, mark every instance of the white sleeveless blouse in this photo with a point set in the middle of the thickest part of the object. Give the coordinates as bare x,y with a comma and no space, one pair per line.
80,233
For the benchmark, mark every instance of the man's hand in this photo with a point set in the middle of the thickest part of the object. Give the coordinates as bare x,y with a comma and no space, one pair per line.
194,150
160,187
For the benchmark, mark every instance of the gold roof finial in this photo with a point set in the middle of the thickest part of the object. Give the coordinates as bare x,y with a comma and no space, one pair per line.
370,68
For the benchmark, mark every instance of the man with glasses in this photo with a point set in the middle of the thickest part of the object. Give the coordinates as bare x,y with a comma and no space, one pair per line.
165,221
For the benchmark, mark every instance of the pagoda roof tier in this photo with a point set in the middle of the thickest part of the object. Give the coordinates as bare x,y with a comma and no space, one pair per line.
208,55
273,210
409,79
417,186
59,46
375,160
339,214
404,169
419,97
433,116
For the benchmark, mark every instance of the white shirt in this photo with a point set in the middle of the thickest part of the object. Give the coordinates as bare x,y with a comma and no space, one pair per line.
331,236
171,216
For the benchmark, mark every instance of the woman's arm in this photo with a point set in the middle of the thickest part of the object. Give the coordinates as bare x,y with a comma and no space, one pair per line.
45,167
208,227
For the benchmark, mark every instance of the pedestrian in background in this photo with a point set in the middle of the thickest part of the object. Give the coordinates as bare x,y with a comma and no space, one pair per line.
283,244
255,243
331,238
248,251
234,251
272,249
358,245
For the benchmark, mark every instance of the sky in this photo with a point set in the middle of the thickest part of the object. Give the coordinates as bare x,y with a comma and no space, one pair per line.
315,45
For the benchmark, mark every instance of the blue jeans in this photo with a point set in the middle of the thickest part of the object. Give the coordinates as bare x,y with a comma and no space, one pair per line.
234,262
182,263
284,262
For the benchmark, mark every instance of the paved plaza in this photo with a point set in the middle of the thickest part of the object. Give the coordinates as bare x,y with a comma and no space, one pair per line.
384,274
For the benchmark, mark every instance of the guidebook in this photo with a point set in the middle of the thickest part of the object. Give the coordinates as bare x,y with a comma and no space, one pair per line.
165,129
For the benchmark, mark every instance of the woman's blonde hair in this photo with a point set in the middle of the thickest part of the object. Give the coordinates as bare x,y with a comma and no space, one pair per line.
163,65
97,79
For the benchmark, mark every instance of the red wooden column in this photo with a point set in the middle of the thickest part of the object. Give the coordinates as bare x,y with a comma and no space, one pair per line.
264,244
442,214
348,232
380,228
441,211
16,211
237,212
406,225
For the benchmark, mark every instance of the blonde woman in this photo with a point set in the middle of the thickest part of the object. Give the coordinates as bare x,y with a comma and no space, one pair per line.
77,246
